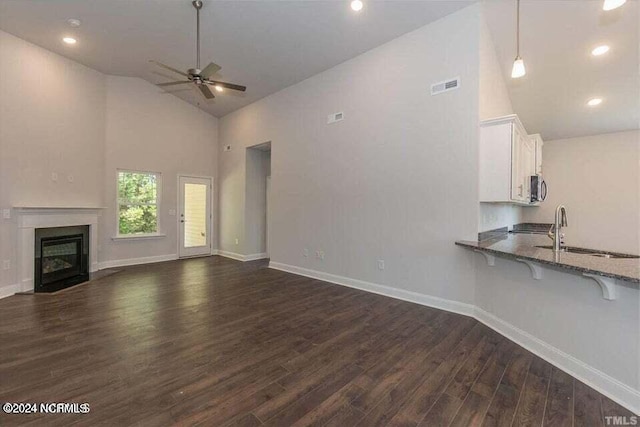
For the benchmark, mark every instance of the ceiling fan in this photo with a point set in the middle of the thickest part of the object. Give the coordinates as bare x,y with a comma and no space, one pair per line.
201,78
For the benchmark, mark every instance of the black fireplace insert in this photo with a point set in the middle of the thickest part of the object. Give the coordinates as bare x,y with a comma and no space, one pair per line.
61,257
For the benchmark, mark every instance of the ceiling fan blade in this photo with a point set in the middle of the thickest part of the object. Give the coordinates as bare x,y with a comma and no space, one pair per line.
227,85
206,91
210,70
173,83
169,68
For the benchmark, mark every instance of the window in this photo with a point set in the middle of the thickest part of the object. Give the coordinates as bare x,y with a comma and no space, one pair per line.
138,202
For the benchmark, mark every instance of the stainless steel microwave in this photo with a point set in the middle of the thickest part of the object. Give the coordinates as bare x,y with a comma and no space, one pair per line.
538,189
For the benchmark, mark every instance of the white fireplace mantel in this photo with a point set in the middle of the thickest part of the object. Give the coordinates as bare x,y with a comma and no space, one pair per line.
32,217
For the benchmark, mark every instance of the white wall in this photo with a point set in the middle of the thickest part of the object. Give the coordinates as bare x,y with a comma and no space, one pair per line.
51,121
598,179
494,102
57,116
150,130
567,312
394,181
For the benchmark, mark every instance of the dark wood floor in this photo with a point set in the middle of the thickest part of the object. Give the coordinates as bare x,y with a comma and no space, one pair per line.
218,342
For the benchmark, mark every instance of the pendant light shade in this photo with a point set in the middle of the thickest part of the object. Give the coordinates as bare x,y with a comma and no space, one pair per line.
518,69
612,4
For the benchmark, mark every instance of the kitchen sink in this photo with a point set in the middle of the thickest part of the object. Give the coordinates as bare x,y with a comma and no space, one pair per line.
592,252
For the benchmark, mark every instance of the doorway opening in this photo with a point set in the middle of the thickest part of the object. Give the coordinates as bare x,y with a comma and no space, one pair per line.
258,206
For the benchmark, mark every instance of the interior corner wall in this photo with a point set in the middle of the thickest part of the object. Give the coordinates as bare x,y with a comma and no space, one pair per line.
494,102
597,179
394,181
149,130
51,136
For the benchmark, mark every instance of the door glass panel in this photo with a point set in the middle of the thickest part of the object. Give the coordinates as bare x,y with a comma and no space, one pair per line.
195,215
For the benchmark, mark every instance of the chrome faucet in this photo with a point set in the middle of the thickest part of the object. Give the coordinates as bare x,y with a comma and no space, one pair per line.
555,233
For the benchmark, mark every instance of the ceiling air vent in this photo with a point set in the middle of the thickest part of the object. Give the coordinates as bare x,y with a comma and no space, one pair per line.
445,86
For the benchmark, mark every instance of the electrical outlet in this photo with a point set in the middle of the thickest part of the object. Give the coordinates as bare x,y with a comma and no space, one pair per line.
6,213
237,241
54,176
305,253
6,264
70,178
380,264
320,254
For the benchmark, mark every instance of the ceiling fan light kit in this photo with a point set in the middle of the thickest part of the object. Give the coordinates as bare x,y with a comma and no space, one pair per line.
201,78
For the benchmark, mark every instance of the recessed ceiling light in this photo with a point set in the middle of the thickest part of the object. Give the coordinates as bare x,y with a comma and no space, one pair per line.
594,102
600,50
612,4
219,88
356,5
73,22
69,40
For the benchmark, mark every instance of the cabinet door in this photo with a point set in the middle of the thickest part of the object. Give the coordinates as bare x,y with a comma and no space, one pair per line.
539,144
528,166
518,166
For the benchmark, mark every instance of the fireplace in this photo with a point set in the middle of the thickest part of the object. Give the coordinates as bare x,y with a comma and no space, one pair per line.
61,257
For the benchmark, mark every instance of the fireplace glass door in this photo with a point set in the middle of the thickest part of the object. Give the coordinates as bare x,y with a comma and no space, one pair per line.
61,258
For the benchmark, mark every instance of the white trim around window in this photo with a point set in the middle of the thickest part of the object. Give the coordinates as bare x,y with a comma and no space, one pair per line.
141,236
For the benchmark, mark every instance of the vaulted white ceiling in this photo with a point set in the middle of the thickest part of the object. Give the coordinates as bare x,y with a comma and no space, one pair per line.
269,45
265,45
557,37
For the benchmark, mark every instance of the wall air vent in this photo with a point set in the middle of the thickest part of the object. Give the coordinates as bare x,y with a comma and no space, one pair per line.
335,117
445,86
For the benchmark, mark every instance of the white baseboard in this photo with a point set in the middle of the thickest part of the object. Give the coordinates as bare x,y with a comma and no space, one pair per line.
254,257
8,290
596,379
430,301
240,257
232,255
137,261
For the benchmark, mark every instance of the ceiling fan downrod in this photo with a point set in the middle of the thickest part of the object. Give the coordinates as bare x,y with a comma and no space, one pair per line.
198,5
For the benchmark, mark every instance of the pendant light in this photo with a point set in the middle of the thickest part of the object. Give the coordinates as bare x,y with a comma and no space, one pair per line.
518,64
612,4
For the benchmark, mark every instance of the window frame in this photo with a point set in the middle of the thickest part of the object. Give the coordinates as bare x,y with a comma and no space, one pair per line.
158,232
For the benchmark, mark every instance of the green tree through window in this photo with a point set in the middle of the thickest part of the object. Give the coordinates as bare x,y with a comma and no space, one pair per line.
137,202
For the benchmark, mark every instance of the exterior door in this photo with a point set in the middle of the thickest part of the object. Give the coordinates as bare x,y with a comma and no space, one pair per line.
194,216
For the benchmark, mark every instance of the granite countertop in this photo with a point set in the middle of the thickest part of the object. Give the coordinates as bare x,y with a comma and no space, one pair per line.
523,246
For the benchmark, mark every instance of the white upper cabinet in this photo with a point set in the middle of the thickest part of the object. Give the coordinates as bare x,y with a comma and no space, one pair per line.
537,139
508,158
